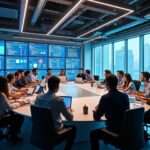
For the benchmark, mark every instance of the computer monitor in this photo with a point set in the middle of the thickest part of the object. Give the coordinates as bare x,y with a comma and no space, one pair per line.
67,101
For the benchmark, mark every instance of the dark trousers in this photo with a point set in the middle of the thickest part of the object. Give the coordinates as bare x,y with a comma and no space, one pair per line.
96,136
68,136
13,122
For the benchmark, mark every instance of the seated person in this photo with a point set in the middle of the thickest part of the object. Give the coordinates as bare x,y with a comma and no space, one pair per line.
27,77
33,75
107,73
18,81
57,106
128,86
145,76
49,74
14,92
88,76
112,105
81,75
120,76
22,76
9,119
62,76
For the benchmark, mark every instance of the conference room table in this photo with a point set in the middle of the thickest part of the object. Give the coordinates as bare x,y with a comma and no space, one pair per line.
82,94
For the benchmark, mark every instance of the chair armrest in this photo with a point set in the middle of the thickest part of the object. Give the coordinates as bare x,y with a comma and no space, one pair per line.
64,130
110,133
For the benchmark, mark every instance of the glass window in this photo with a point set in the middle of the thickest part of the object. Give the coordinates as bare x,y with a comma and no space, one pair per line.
147,52
133,57
119,56
98,60
107,57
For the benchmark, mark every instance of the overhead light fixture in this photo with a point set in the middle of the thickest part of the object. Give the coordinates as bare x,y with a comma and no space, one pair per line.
67,15
23,16
93,39
129,11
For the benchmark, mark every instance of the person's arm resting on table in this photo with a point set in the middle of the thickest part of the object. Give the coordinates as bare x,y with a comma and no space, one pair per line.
100,110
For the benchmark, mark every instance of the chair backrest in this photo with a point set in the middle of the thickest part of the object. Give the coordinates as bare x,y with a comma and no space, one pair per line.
137,84
96,77
43,131
132,131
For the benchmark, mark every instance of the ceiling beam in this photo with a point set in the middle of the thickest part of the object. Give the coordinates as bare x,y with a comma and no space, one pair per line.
41,4
125,27
66,16
72,18
64,2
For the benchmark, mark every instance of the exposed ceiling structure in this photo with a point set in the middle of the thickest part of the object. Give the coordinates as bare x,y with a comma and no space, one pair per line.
71,20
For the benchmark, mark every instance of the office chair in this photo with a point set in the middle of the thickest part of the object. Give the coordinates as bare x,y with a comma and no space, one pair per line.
96,77
147,123
131,136
137,84
44,135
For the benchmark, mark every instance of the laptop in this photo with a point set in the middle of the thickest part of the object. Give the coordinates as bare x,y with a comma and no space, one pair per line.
67,101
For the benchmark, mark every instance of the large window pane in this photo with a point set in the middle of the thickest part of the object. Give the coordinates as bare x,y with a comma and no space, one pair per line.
98,60
147,52
119,56
133,57
107,56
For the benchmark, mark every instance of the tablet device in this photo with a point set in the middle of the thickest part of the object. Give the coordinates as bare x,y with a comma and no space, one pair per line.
67,101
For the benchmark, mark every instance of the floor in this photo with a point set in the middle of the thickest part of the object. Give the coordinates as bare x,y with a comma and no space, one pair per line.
25,145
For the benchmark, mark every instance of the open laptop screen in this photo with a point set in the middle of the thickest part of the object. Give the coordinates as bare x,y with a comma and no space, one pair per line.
67,101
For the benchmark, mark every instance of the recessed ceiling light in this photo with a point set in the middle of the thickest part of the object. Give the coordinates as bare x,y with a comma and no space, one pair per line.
23,16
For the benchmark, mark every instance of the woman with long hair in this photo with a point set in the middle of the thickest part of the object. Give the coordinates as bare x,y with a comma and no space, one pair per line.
9,119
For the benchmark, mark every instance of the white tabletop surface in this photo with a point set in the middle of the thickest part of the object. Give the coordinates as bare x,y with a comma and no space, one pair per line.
79,102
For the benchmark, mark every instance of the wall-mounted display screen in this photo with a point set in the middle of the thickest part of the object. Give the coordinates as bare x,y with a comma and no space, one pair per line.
41,73
56,72
16,48
73,52
38,62
71,74
1,62
57,63
57,51
36,49
72,63
16,63
2,49
1,73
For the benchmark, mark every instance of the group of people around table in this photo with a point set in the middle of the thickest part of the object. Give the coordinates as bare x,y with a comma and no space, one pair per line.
112,105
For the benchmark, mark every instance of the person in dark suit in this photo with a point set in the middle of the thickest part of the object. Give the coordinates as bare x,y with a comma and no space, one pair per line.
112,105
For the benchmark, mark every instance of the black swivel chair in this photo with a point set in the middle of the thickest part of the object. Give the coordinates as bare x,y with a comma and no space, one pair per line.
96,77
137,84
44,135
132,132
